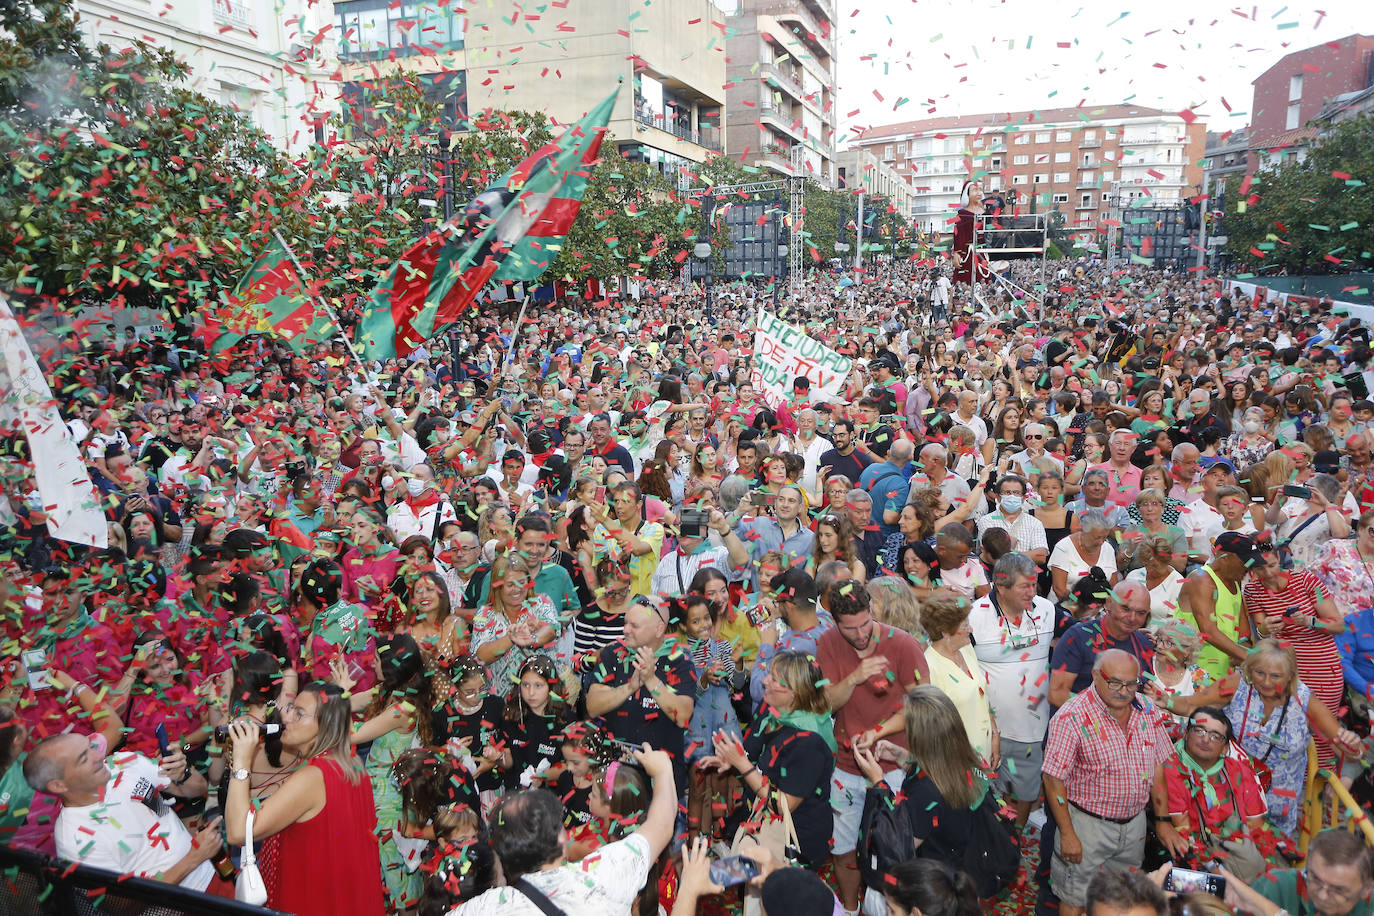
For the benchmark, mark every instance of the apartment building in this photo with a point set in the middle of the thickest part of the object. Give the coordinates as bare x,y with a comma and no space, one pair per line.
560,60
859,169
273,60
781,85
1088,162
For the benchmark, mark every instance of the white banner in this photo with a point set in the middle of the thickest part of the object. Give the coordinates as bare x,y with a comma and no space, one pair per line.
26,402
783,352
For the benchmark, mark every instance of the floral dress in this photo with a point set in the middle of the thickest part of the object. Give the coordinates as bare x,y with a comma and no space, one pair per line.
403,886
490,625
1242,455
1348,578
1280,743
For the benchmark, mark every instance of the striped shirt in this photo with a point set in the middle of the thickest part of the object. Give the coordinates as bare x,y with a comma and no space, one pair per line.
1106,770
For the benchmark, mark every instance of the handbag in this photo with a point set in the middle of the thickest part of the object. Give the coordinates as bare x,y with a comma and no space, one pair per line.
250,888
769,825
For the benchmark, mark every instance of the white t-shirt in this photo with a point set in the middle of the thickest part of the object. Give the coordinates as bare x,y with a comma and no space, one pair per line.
122,833
1066,557
1016,662
605,883
964,580
1164,596
1200,523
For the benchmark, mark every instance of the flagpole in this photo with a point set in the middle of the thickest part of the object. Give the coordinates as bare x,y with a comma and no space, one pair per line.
328,309
515,335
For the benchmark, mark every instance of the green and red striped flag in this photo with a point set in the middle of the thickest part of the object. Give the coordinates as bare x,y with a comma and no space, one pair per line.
514,231
270,298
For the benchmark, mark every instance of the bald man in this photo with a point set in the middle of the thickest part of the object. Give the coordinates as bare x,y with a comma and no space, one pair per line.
1119,628
1106,748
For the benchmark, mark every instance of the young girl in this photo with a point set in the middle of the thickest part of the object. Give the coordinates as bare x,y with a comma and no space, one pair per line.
715,668
535,713
586,750
470,722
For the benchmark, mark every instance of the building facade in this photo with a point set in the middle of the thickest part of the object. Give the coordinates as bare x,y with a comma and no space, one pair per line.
273,60
859,169
562,62
1088,163
781,85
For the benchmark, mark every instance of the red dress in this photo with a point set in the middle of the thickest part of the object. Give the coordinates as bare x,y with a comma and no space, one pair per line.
330,865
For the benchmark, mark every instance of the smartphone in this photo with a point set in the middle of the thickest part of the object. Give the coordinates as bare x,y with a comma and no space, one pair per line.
1290,610
1185,880
627,750
600,496
1297,492
733,870
760,498
36,664
164,746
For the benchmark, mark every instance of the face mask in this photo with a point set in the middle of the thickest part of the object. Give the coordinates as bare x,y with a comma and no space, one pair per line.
388,482
415,486
1011,504
1251,426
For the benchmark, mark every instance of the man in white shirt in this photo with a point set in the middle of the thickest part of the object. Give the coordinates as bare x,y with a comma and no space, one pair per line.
528,836
1034,435
811,447
675,571
967,415
423,510
113,814
1027,534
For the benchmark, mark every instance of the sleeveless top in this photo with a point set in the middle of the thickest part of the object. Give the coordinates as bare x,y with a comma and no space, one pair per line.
330,864
1228,616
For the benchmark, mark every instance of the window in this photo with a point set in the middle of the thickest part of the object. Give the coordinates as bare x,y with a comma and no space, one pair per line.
977,142
1041,178
1020,160
995,183
1085,202
996,163
1292,119
1089,135
1061,177
1021,139
1061,157
239,12
1062,136
370,29
1108,175
1087,178
887,151
901,149
1089,161
1295,88
1106,198
1061,198
1018,179
1042,137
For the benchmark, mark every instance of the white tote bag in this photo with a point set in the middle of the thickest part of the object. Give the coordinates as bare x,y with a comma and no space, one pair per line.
250,887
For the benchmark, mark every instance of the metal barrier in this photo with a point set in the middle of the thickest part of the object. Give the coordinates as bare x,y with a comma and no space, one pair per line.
32,884
1328,803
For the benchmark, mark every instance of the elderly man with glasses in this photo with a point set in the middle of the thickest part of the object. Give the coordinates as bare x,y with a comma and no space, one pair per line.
1209,806
1106,750
1338,881
1034,435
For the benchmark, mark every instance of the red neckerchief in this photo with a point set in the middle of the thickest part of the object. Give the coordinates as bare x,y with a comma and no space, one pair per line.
611,445
426,499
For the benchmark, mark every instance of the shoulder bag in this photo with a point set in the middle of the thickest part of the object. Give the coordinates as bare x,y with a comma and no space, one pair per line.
250,888
536,896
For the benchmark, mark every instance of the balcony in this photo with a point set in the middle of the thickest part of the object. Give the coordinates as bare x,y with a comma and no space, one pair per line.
1085,185
1089,144
234,12
809,27
1088,206
708,137
1150,140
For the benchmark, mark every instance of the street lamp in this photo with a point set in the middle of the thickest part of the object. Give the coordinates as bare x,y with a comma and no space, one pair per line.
702,252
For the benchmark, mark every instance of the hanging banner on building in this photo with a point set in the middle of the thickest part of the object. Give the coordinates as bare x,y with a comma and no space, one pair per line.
783,352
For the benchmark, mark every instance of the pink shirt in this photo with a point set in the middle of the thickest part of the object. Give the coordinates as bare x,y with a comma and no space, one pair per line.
1122,486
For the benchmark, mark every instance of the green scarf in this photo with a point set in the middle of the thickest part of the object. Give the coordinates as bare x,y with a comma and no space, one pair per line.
818,722
48,637
1209,791
344,626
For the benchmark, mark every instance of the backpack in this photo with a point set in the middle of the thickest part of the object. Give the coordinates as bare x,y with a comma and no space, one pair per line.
886,837
992,856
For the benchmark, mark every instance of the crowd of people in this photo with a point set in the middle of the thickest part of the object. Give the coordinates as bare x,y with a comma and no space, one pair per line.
559,614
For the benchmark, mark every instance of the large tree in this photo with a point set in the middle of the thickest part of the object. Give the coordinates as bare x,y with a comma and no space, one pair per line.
1313,216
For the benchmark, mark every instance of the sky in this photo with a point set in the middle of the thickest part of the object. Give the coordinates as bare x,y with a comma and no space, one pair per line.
903,60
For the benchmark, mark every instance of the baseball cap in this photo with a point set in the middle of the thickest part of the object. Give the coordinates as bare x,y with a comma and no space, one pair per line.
796,890
1326,462
1210,462
1242,545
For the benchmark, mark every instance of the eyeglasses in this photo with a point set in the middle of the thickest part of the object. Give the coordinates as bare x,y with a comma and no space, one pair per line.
1326,887
1032,436
1203,732
292,711
1116,686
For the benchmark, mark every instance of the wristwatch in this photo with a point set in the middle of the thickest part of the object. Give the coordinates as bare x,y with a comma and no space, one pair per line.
240,773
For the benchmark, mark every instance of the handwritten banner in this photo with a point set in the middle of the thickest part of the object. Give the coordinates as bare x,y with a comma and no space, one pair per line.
783,352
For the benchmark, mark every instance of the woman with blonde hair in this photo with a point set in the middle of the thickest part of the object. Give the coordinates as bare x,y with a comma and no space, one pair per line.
325,805
1158,574
1150,505
835,541
1274,719
495,531
516,622
894,603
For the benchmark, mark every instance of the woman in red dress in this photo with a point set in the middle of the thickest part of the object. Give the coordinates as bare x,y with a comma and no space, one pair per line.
965,257
324,813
